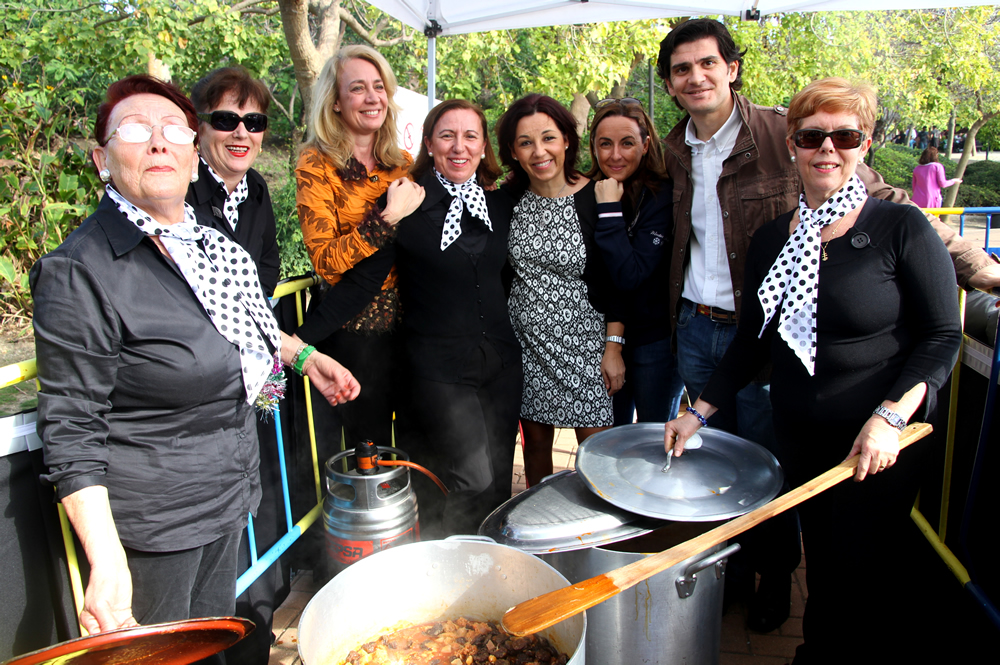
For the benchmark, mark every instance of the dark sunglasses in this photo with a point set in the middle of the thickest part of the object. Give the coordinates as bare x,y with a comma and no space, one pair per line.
624,101
845,139
227,121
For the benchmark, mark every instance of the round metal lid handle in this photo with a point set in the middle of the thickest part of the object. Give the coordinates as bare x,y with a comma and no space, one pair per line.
686,582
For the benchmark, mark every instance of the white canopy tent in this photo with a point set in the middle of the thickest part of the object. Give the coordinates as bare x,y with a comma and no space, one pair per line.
455,17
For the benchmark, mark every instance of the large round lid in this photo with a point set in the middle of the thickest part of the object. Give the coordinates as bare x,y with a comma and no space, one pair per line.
726,477
560,515
175,643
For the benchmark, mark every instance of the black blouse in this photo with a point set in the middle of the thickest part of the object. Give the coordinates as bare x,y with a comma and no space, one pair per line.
139,391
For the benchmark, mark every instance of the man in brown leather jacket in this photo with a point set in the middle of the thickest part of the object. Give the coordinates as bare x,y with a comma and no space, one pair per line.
732,173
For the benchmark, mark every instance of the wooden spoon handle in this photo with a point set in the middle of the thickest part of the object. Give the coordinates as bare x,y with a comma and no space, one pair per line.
536,614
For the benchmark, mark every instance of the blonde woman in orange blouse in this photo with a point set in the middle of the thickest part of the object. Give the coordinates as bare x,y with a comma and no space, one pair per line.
350,159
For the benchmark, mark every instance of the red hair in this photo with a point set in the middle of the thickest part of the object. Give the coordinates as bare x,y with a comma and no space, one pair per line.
136,85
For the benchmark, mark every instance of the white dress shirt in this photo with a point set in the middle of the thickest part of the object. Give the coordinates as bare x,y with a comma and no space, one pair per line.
707,279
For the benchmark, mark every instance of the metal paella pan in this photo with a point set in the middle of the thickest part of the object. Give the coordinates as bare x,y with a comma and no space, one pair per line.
727,477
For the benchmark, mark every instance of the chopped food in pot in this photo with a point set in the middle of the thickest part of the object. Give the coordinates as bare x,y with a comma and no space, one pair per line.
459,642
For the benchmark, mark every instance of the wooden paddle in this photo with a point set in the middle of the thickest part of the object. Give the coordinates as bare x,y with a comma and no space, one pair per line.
537,614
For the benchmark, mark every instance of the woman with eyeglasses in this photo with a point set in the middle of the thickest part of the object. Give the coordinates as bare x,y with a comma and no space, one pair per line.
562,301
154,345
351,158
634,233
232,113
855,308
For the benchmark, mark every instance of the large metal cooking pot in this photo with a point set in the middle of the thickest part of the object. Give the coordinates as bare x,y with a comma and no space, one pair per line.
460,576
673,617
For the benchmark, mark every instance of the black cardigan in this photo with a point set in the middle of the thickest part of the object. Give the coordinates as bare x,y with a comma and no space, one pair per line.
255,231
453,301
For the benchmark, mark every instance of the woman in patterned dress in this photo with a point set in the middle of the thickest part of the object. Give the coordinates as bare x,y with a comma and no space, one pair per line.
560,298
350,159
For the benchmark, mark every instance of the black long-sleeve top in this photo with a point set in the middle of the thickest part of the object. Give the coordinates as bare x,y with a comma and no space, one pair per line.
455,299
636,249
255,230
139,391
887,319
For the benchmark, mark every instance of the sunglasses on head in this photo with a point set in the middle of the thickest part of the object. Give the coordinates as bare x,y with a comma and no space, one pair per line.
845,139
227,121
624,101
135,132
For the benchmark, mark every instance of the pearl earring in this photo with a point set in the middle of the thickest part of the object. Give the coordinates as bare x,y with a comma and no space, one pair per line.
105,175
430,154
793,158
482,156
194,177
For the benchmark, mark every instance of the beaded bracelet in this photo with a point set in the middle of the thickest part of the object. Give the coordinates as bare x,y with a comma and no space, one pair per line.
701,418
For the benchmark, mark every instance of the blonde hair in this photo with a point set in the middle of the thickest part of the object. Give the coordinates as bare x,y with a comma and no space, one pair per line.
327,132
834,95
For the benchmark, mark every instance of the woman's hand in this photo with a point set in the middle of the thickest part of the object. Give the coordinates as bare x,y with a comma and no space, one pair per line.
330,378
613,367
678,431
107,603
402,198
608,191
878,445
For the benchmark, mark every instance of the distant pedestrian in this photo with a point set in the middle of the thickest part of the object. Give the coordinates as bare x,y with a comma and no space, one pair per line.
922,138
929,180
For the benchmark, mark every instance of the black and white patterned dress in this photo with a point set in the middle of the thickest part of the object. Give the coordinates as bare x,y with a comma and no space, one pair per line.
561,334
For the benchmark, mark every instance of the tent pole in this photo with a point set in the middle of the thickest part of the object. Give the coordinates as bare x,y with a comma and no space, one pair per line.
431,32
652,82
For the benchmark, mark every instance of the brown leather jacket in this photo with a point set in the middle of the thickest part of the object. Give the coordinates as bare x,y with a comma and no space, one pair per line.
760,182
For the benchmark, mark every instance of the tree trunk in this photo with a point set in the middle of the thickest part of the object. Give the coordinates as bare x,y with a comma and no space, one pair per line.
970,141
950,144
580,108
306,58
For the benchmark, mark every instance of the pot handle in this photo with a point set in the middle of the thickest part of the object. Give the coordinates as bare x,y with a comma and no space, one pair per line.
471,539
686,582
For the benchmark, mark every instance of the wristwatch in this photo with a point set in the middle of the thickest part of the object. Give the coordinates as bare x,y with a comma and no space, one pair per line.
615,338
891,417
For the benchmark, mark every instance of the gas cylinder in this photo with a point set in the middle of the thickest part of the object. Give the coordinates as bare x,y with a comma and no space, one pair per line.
368,508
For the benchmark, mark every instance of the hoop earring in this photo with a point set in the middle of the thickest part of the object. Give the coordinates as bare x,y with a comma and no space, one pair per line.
105,175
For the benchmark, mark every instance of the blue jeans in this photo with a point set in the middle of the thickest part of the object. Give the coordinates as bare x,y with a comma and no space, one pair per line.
701,343
653,386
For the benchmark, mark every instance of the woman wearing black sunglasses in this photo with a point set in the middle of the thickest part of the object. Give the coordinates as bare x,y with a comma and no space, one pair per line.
232,114
855,309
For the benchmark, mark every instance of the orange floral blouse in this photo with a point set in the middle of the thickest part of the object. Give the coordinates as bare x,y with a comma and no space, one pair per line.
341,225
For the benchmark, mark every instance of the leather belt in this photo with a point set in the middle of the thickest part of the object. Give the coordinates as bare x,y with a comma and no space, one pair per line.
716,315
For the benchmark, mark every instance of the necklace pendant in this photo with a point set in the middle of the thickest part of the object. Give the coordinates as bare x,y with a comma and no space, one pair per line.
824,257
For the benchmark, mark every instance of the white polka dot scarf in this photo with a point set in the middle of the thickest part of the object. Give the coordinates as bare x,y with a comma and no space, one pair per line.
233,200
469,193
224,279
794,277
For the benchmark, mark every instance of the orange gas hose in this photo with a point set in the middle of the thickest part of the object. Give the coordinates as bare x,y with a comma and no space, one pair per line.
399,462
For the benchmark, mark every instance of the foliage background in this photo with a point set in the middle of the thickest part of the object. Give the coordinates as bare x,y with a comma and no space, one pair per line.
57,58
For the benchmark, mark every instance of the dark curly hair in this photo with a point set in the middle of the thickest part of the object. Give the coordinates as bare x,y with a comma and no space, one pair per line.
507,132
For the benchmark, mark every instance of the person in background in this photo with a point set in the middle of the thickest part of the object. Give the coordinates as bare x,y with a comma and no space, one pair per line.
231,196
154,347
849,370
561,299
929,179
634,233
464,360
349,160
732,172
232,113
